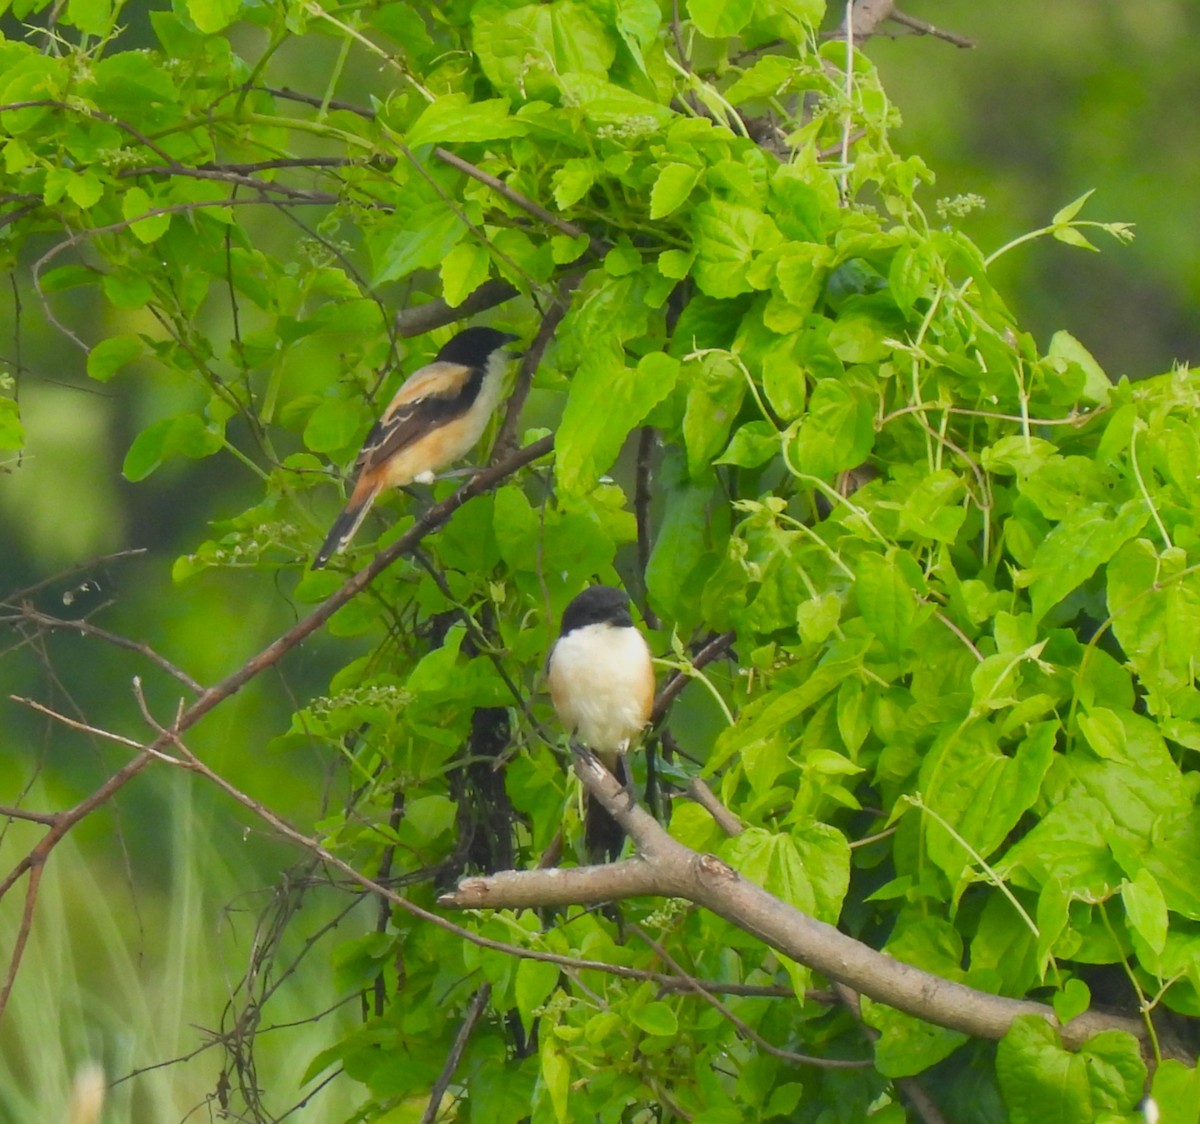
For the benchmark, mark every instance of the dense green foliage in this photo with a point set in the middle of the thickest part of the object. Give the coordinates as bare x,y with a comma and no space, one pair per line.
957,712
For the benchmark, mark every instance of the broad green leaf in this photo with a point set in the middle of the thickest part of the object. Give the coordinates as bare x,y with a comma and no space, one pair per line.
429,234
656,1018
463,270
1176,1091
716,387
92,17
1096,385
885,601
1040,1081
837,432
455,119
1155,602
335,425
727,235
526,50
719,19
110,355
573,181
135,203
1146,909
1081,542
184,435
1069,844
607,400
671,189
211,16
980,791
769,77
753,444
535,981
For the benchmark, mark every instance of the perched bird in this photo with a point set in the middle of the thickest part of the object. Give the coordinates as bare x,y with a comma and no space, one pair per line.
435,418
602,684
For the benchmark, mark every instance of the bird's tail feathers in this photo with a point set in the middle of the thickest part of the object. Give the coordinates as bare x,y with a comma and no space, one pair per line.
603,837
344,528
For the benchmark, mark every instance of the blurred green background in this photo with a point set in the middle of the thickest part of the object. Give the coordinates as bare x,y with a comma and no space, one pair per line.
1055,100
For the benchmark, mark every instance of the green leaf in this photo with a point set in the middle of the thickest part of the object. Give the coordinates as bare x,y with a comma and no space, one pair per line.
1067,213
335,425
837,432
1040,1081
211,16
573,181
1176,1091
429,234
535,981
727,236
110,355
463,270
456,119
92,17
1096,384
1155,603
525,51
137,202
979,791
12,432
1072,1000
556,1077
607,400
769,77
184,435
656,1018
716,387
718,19
1146,909
671,189
753,445
1081,542
885,601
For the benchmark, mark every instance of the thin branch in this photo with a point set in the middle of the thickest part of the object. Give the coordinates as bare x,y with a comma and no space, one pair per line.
714,648
924,28
597,247
474,1013
739,1025
84,628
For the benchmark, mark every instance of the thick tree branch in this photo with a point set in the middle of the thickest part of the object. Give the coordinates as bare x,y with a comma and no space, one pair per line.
665,867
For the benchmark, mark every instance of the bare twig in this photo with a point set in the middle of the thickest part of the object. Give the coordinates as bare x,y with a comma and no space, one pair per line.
475,1011
84,628
739,1025
597,247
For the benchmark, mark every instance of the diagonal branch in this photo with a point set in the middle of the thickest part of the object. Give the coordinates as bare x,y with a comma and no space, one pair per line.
665,867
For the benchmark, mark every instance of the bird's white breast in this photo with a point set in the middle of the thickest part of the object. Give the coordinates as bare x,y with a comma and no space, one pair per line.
602,682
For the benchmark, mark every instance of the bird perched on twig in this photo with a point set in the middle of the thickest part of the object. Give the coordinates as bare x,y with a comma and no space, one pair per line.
435,418
602,685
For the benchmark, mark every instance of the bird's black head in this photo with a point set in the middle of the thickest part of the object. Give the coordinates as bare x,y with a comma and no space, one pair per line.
472,346
598,604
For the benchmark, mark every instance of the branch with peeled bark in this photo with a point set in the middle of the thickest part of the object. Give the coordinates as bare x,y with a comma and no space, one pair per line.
664,867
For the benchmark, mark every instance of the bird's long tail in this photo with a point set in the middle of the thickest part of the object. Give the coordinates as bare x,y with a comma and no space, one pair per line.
603,837
344,528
